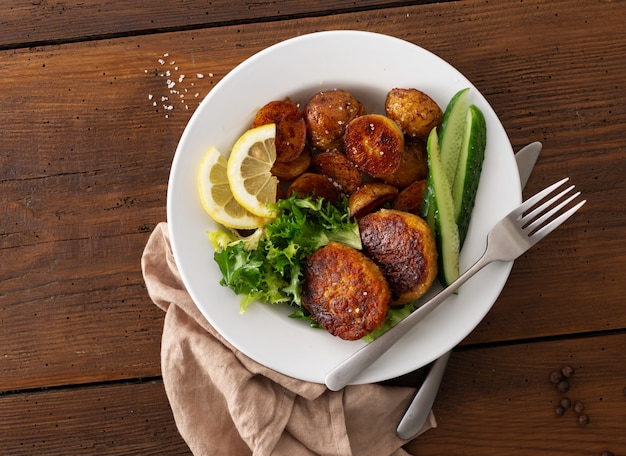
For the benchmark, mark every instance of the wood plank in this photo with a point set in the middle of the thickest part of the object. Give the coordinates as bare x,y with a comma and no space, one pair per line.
117,419
86,157
33,23
489,405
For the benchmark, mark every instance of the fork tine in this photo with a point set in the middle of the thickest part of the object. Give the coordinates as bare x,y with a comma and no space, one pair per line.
554,224
530,202
537,216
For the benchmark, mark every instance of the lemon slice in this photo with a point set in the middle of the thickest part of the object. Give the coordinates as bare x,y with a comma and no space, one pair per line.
216,197
249,170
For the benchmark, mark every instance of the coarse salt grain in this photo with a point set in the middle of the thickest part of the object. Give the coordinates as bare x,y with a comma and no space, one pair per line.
161,61
199,75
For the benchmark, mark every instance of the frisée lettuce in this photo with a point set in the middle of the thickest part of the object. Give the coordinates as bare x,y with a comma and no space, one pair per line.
267,265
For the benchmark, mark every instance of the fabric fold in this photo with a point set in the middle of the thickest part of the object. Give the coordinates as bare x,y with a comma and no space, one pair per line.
226,403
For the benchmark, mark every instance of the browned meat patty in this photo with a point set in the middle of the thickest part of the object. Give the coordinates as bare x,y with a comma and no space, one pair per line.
403,245
345,291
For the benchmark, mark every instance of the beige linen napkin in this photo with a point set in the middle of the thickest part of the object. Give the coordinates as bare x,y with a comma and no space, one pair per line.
224,403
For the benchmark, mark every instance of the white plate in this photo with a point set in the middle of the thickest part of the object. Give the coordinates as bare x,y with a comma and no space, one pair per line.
368,65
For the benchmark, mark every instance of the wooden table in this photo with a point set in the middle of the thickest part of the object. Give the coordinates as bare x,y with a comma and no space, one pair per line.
85,151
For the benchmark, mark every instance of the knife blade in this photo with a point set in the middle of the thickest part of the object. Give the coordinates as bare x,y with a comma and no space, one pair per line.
526,158
417,413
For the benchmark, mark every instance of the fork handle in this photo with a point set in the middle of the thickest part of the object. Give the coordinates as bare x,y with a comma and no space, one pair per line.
350,368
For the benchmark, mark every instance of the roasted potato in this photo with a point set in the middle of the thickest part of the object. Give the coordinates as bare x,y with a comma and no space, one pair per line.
326,115
345,291
403,246
370,197
410,199
290,128
415,112
413,167
288,171
375,144
311,184
338,169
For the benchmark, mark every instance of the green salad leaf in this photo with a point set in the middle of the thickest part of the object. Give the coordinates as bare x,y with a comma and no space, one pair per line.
267,265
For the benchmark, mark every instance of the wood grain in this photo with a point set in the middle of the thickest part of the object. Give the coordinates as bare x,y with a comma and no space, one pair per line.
87,143
86,158
116,419
489,405
42,22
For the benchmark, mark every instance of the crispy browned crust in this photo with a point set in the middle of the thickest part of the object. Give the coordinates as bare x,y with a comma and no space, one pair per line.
375,144
287,171
311,184
370,197
403,245
290,128
415,112
326,115
338,169
345,291
413,167
410,199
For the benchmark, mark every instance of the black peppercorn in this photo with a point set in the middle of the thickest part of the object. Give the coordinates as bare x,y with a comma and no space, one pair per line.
566,402
578,407
562,386
556,377
583,420
559,411
607,453
567,371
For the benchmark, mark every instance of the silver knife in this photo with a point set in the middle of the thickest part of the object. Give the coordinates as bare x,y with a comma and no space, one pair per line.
418,411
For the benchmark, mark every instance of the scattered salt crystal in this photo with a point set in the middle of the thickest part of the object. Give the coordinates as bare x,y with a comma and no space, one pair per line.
210,75
168,73
150,97
199,75
167,54
161,61
181,77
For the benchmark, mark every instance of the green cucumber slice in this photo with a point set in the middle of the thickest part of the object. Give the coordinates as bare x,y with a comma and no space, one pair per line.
439,213
469,168
451,132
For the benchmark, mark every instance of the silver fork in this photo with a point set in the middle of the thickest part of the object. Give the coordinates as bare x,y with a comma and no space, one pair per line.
508,239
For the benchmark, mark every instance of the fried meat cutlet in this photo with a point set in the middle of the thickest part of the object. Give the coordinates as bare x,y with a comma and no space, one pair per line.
404,248
345,291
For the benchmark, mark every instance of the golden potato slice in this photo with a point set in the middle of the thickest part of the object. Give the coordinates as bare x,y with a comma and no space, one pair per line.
410,199
311,184
375,144
287,171
370,197
415,112
413,167
338,169
403,246
290,128
326,115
